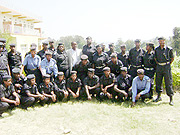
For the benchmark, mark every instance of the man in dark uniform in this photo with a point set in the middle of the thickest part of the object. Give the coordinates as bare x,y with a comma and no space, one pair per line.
91,84
51,46
123,85
149,65
107,85
100,60
111,49
89,49
82,67
164,57
5,52
135,58
123,56
42,52
8,97
4,67
115,64
14,58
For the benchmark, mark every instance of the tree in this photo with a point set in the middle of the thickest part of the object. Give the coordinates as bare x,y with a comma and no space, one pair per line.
176,40
117,46
129,44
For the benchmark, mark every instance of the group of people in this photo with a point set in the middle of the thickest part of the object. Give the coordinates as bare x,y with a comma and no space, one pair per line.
54,74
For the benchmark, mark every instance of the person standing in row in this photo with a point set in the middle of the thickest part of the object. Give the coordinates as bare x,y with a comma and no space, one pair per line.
4,51
123,56
42,52
111,49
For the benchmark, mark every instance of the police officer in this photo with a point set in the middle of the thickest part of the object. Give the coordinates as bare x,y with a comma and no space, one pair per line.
149,65
123,56
82,67
4,67
14,57
51,46
164,57
8,97
48,65
123,85
115,64
100,60
91,84
135,58
61,58
140,87
111,49
42,52
32,63
89,49
5,51
32,45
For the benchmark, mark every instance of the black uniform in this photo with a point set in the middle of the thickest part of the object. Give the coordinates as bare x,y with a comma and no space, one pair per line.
42,54
62,61
60,87
135,59
52,49
3,66
14,60
19,81
89,51
163,69
82,70
5,52
149,68
115,68
124,84
124,59
110,52
100,61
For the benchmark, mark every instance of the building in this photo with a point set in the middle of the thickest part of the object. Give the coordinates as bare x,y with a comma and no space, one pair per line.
21,27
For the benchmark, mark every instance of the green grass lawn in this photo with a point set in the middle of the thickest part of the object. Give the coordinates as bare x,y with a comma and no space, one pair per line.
94,118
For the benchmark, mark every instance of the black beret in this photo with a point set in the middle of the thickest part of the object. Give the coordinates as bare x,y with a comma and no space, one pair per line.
161,38
60,73
91,70
48,53
73,72
1,44
3,40
124,69
51,41
6,77
89,38
45,43
111,44
150,44
60,43
12,44
30,76
123,45
137,40
106,69
84,57
46,76
113,55
33,44
16,70
140,71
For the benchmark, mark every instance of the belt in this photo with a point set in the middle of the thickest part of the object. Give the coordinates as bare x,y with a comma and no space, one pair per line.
100,67
32,69
163,64
136,66
148,68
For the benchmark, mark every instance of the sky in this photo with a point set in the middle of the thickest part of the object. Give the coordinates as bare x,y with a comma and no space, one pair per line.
104,20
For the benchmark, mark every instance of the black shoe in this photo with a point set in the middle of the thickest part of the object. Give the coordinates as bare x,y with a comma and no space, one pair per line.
158,99
171,103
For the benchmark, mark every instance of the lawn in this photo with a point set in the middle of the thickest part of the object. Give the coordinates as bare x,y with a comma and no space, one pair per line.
94,118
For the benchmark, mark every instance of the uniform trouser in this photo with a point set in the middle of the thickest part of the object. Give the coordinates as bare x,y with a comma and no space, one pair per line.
133,71
60,95
150,74
37,74
121,95
81,94
47,100
2,73
27,101
109,90
144,96
164,71
93,92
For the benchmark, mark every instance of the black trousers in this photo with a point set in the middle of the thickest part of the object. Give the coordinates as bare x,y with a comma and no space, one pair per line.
164,72
27,101
104,96
60,95
121,96
94,92
144,96
37,74
133,71
150,74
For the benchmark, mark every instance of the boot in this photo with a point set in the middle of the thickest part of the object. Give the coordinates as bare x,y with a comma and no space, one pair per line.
158,98
171,101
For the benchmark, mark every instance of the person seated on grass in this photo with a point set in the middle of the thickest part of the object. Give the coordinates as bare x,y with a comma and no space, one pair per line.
47,89
140,87
17,80
123,85
30,93
91,84
107,84
8,97
61,90
74,85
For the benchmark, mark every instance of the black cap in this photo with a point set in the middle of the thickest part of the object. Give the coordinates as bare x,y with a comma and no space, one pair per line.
3,40
45,43
1,44
123,69
89,38
30,76
51,41
16,70
140,71
60,73
32,48
84,57
12,44
33,44
61,43
73,72
48,53
106,69
113,55
150,44
137,40
161,38
91,70
111,44
123,45
46,76
6,77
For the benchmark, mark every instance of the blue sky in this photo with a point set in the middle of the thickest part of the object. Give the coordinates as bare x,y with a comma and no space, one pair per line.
104,20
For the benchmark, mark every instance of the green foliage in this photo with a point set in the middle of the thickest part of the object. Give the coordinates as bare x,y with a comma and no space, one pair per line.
176,40
9,39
